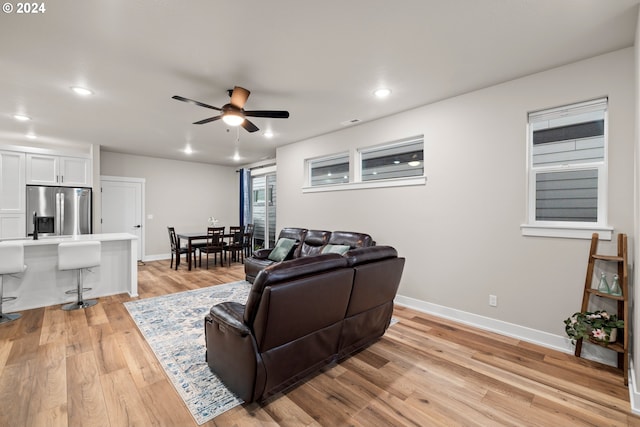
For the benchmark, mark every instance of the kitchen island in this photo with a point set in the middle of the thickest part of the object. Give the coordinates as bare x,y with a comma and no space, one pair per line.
42,284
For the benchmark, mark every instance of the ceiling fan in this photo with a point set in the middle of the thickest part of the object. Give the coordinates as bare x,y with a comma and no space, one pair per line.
233,113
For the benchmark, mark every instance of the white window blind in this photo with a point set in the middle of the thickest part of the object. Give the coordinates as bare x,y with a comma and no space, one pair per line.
567,165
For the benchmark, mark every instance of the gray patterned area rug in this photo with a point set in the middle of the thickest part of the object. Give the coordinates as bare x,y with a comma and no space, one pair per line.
173,325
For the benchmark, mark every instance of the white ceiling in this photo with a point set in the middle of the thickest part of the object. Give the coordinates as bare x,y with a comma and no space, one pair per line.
319,60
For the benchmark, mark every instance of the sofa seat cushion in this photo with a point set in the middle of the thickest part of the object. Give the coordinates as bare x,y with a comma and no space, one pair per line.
283,248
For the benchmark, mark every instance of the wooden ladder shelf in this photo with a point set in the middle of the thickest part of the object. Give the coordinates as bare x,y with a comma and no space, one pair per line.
621,345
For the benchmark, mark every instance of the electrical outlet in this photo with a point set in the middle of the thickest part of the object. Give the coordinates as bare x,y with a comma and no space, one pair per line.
493,300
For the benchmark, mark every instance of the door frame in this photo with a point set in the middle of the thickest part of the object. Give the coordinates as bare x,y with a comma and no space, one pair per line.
265,171
131,180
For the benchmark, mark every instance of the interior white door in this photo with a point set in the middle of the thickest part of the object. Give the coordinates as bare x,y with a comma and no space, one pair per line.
122,209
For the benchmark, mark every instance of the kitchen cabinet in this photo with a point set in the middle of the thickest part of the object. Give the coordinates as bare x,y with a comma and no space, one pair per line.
65,171
12,226
12,194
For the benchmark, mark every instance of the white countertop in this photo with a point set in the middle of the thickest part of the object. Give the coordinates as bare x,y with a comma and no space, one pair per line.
54,240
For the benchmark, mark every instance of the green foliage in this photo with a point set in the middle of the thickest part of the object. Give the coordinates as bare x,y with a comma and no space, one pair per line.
597,325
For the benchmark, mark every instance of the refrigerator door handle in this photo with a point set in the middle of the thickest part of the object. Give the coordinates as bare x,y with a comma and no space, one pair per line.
59,214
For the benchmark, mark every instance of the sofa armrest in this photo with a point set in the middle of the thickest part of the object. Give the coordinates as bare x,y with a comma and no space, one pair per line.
230,316
231,351
262,253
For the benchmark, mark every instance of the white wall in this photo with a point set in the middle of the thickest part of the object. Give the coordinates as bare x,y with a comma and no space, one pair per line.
461,232
179,194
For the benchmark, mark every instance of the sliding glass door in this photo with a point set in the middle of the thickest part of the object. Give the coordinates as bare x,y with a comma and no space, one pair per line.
263,210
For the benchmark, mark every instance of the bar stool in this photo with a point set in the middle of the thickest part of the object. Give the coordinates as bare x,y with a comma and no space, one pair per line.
11,262
79,256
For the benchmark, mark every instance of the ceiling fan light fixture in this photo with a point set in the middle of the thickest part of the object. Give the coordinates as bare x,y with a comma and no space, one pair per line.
233,119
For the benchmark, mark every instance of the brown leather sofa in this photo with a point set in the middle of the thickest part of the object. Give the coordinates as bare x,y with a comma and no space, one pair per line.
308,242
301,315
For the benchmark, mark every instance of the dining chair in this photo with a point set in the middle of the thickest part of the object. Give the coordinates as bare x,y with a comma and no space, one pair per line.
176,249
248,240
235,246
198,245
215,245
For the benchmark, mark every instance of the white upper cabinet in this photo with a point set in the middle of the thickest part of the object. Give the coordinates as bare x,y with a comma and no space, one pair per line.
75,172
42,169
12,190
58,170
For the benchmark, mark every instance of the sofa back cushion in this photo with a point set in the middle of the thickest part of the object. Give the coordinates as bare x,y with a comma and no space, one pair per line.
351,239
295,309
286,271
314,241
298,321
374,284
296,234
365,255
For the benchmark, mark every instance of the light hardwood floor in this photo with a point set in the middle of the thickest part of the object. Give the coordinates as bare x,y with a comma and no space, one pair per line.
93,368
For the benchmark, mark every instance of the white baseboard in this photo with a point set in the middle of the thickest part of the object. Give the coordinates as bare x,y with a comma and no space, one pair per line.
157,257
545,339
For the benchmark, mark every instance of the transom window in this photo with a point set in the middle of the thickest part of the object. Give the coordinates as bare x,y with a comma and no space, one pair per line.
393,164
329,170
399,160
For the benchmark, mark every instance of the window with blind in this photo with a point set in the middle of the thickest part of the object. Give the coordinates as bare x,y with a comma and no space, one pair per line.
393,164
329,170
398,160
567,166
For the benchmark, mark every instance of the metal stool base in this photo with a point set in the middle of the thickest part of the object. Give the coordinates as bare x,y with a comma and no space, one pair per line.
79,304
9,317
75,291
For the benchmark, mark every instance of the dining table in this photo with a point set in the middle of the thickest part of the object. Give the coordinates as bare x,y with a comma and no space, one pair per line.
190,238
195,236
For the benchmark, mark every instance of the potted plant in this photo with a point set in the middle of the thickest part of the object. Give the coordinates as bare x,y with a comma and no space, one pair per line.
598,326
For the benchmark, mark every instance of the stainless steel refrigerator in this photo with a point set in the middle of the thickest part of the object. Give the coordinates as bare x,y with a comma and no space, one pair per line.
59,211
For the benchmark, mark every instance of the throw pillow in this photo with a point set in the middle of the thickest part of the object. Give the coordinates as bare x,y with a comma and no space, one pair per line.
335,249
282,249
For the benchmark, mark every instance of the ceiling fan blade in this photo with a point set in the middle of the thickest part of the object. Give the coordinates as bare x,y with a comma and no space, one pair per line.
191,101
250,127
209,120
239,96
267,113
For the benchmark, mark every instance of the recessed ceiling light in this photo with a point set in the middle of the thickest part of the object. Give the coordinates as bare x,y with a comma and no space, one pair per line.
31,136
81,90
414,163
188,150
236,156
268,134
21,117
382,92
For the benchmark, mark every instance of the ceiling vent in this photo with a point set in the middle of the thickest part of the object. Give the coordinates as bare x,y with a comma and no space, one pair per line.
350,122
